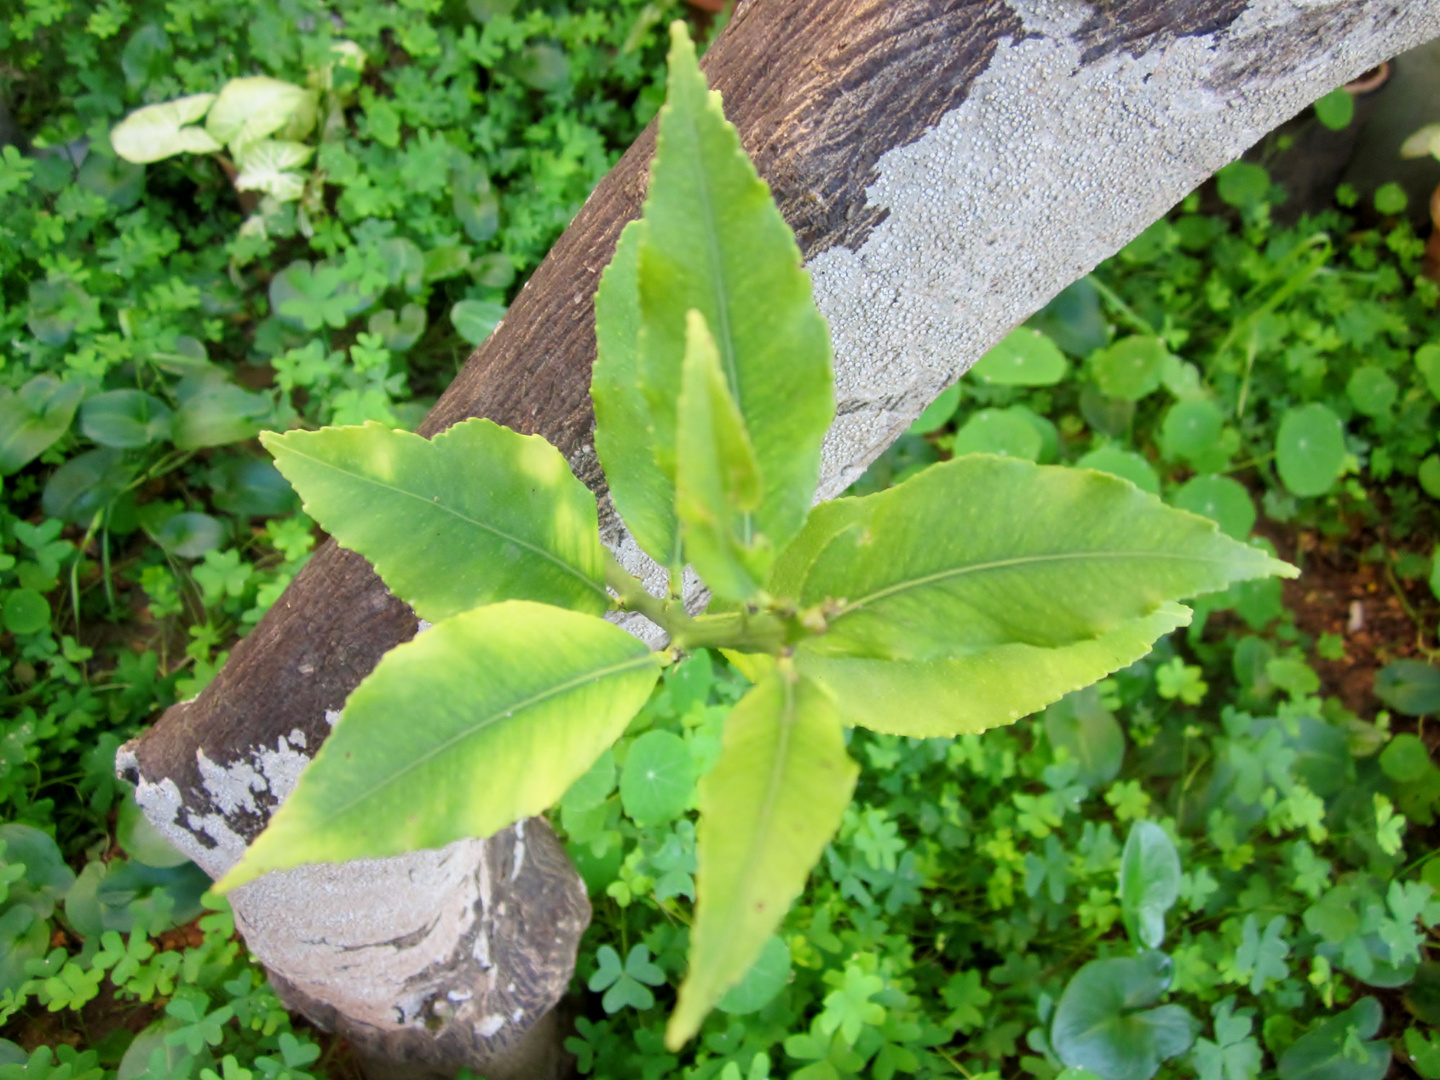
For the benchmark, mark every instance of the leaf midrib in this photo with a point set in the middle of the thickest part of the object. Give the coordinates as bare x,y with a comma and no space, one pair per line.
480,726
762,830
431,504
1022,560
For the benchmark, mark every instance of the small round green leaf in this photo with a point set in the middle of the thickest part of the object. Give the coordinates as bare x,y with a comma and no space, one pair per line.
1336,109
658,780
999,431
938,413
1125,464
398,330
766,978
26,612
1371,390
1391,199
1130,368
1025,357
1243,185
1411,687
1221,499
475,320
141,840
1191,429
1429,476
1427,360
1310,449
475,203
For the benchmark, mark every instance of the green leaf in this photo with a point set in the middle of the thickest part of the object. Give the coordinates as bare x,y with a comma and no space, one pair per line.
658,779
476,320
998,431
1149,882
1103,1021
1391,198
1371,390
1424,1053
760,985
125,419
988,687
157,132
218,414
1025,357
1411,687
767,810
715,242
525,696
1310,449
399,330
34,417
1427,361
47,877
476,205
1123,463
1234,1055
1261,955
475,515
1336,109
1335,1048
938,413
1090,734
1243,185
1429,476
1131,368
1222,500
1191,429
25,612
643,493
717,479
985,551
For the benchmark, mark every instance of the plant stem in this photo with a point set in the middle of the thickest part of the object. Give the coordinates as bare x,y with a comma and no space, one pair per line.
1113,299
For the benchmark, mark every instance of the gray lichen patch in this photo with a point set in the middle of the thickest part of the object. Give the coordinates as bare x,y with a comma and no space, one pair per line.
1050,165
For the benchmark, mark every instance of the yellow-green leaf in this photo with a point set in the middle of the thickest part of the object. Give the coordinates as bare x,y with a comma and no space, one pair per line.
484,719
717,479
767,810
475,515
984,551
984,689
644,494
715,242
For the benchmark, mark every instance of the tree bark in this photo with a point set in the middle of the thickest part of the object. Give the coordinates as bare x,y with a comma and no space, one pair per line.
948,166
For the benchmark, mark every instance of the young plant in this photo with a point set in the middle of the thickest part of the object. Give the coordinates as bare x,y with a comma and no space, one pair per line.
977,592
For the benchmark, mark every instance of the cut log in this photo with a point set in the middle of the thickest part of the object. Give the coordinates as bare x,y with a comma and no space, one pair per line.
948,166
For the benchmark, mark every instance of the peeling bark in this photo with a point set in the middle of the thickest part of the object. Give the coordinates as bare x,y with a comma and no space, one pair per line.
948,165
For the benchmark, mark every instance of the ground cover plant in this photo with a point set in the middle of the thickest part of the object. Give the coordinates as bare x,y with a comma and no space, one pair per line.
979,888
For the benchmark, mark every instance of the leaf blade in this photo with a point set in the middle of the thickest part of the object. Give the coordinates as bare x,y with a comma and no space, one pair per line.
716,242
994,686
780,787
1011,552
717,478
519,526
525,694
643,493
